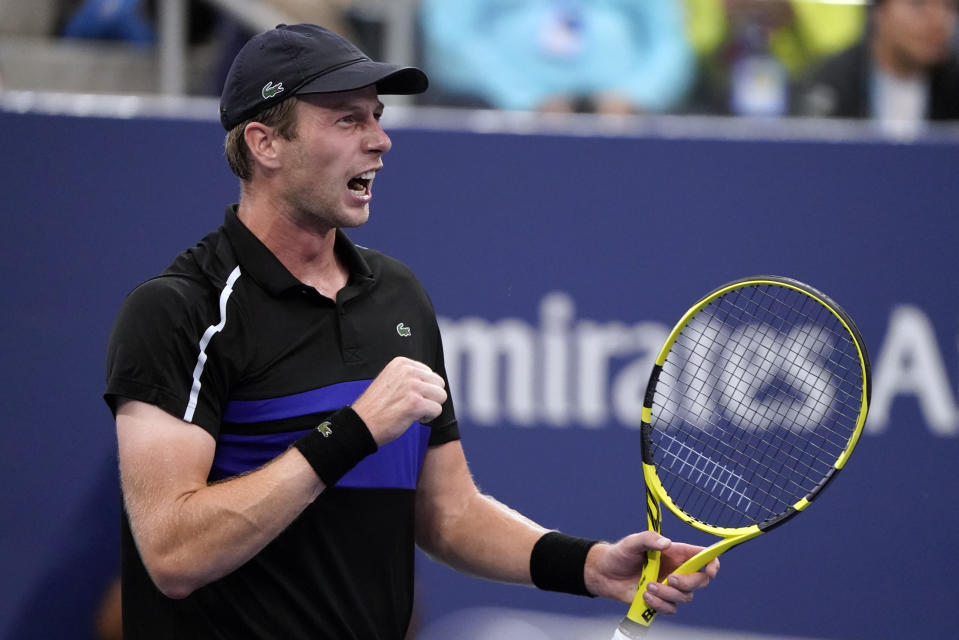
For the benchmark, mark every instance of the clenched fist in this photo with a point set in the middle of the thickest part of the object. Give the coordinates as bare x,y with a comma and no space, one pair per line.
404,391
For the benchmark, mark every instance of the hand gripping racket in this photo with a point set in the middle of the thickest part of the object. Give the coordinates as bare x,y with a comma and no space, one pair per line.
755,402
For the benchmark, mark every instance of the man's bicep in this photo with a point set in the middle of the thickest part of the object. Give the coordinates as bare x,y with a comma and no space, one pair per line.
162,458
443,492
445,474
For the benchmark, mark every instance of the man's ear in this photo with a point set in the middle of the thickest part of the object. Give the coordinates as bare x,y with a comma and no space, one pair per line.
262,141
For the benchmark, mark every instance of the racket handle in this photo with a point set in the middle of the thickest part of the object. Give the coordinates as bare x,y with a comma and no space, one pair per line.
640,614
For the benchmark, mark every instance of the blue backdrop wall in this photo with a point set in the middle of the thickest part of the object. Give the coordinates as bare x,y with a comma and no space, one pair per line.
566,258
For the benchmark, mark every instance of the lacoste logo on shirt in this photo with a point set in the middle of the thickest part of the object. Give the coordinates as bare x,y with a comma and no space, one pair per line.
403,330
270,89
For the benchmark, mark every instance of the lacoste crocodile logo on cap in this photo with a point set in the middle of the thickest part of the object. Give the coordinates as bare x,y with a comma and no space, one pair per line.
403,330
270,90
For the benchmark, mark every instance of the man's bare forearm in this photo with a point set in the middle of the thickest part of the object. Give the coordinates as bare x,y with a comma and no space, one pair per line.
190,533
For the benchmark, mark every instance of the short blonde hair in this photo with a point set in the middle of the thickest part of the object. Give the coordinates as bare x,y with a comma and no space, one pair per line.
281,117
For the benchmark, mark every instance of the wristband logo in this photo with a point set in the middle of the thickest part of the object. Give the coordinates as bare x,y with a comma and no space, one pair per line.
325,428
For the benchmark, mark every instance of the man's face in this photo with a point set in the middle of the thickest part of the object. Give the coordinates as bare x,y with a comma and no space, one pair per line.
918,32
328,168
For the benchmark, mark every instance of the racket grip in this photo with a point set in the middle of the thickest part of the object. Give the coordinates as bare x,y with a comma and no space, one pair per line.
640,614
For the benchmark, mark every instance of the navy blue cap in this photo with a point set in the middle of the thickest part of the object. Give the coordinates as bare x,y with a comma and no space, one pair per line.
300,59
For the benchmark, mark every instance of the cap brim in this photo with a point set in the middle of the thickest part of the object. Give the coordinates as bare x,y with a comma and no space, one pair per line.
390,79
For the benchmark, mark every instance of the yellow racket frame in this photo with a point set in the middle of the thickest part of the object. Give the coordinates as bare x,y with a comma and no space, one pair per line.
641,613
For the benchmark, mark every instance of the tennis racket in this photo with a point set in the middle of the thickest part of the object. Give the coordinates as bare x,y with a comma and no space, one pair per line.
755,402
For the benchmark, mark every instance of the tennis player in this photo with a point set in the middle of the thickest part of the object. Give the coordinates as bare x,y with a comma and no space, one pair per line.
285,432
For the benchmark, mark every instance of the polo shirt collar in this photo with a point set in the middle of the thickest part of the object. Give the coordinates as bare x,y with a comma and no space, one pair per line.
259,262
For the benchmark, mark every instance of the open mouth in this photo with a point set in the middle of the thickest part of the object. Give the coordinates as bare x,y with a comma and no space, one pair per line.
361,183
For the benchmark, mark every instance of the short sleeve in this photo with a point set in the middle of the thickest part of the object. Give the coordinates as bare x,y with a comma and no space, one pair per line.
165,349
444,428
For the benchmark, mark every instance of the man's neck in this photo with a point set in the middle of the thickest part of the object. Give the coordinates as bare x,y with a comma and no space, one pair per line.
306,252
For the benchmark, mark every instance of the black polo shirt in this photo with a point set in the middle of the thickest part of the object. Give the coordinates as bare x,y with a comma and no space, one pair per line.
226,338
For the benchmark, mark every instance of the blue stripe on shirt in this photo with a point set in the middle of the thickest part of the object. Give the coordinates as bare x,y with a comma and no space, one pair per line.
396,465
327,398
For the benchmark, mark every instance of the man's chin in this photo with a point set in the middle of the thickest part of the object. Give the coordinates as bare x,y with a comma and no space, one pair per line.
355,218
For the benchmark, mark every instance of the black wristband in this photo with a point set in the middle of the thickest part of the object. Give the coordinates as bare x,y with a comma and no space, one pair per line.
558,561
336,445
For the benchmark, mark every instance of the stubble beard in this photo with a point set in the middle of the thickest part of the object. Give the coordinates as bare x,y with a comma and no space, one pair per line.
322,216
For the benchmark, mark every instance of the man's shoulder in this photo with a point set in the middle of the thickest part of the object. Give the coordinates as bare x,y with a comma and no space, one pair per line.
174,288
194,275
393,274
208,263
384,265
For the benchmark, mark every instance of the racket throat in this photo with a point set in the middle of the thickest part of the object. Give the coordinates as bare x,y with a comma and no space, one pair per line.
711,552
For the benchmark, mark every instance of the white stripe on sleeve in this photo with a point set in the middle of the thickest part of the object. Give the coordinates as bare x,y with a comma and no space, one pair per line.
211,331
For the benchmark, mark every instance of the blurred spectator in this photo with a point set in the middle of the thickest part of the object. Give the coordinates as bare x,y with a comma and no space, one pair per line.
131,20
609,56
904,72
123,20
750,50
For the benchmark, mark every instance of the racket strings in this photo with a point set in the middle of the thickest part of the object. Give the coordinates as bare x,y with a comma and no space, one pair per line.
752,449
785,467
764,503
761,478
756,401
840,437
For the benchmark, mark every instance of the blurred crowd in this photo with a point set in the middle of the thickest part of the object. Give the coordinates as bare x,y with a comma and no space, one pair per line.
891,60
